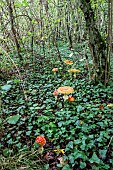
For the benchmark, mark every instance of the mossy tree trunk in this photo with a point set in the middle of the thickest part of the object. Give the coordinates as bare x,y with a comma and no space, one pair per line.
97,45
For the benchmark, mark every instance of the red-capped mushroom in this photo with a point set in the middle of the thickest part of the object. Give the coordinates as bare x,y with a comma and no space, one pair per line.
71,98
55,93
41,141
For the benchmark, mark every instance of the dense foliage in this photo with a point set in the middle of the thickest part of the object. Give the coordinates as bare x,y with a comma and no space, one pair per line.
78,133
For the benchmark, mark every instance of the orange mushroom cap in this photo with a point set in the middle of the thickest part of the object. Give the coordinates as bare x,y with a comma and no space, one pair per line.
55,69
68,62
71,98
55,93
65,90
73,70
41,140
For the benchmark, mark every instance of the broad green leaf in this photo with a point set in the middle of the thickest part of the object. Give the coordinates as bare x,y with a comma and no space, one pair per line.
51,124
66,167
13,119
6,87
80,155
29,33
110,105
7,152
82,165
79,108
71,159
60,124
94,158
17,81
70,145
28,133
36,145
103,153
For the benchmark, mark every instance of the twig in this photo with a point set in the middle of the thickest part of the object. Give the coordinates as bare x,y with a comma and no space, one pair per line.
110,142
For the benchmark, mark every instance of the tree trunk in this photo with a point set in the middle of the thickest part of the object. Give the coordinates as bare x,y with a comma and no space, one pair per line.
97,44
110,3
67,19
13,29
109,31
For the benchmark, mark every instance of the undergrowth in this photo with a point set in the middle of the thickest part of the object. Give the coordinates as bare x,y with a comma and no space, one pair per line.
78,133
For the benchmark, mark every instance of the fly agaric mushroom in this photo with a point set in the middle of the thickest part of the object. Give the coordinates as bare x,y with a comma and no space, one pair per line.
68,62
73,70
55,93
65,90
41,141
71,98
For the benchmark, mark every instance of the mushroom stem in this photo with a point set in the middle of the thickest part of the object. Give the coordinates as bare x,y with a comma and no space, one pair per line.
74,75
40,150
65,97
56,97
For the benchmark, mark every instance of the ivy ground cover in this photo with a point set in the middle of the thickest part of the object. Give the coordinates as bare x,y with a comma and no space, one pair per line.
78,127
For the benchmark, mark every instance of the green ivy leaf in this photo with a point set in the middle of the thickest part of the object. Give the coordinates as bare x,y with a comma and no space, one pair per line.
94,158
28,133
82,165
52,125
79,108
7,152
103,153
17,81
6,87
36,145
66,167
60,124
71,159
13,119
70,145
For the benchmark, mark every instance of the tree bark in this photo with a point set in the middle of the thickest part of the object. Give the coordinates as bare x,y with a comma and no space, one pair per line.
13,29
110,3
67,16
97,45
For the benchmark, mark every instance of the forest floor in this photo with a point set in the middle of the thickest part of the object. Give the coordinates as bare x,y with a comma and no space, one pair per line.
78,133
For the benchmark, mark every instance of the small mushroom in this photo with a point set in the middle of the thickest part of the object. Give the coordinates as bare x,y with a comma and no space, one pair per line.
71,98
41,141
55,93
65,90
68,62
55,70
73,70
